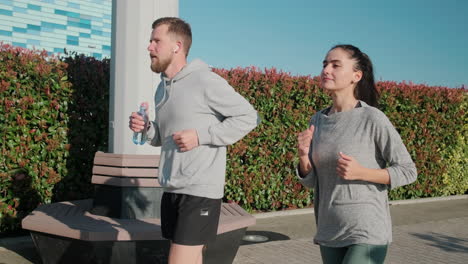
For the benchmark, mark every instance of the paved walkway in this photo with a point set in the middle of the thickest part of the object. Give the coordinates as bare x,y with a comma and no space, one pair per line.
430,242
424,231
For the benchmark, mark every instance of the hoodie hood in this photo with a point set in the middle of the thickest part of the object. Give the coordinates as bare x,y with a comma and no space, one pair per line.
193,66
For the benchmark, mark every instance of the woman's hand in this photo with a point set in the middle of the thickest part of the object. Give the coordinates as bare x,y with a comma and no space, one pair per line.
304,139
349,168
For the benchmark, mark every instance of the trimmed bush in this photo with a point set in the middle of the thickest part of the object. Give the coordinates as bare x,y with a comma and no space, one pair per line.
260,170
432,122
88,124
50,133
34,100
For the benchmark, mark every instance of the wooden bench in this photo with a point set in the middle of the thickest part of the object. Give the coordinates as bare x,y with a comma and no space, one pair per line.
87,231
126,186
73,220
125,170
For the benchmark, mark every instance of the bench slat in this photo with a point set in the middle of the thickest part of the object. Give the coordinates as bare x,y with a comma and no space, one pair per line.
127,172
127,156
126,162
235,209
227,224
125,182
231,210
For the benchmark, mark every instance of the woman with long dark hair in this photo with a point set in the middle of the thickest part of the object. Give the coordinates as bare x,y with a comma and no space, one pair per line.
352,155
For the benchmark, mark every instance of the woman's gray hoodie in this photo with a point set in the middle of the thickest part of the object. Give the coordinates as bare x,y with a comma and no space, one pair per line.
352,211
197,98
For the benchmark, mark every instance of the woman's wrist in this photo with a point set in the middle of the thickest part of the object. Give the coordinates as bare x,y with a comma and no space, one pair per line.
304,166
380,176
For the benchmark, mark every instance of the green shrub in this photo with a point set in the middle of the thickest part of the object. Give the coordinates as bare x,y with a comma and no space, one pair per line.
455,157
431,122
88,124
261,172
50,133
34,100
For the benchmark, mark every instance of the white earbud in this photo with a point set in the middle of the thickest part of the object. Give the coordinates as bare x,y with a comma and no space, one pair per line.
176,49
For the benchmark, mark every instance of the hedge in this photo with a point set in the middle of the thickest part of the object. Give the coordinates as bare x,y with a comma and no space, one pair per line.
34,101
50,133
88,124
432,122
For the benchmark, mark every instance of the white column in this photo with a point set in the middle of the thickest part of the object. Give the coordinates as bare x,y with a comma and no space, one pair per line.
132,80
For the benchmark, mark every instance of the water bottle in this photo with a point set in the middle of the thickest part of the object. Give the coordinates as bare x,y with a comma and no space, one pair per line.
141,137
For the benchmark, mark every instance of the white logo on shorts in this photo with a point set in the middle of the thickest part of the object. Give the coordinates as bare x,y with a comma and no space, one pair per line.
204,212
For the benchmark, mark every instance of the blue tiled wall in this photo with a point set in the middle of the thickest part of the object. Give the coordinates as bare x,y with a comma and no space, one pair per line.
23,45
5,33
83,26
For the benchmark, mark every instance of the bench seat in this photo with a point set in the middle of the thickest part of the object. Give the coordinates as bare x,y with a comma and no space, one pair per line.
121,224
72,219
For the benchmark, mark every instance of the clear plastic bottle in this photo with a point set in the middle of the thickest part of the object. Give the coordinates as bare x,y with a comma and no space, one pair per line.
141,137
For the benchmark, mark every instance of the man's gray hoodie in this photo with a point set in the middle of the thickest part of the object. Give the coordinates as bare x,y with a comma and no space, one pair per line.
197,98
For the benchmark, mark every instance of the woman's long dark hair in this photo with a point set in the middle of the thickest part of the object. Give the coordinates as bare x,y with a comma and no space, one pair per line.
365,89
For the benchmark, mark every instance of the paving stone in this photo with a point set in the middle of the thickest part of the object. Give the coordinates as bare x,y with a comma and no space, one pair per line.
432,242
423,233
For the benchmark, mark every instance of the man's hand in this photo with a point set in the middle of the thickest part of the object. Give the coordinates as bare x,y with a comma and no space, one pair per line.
348,168
136,122
186,139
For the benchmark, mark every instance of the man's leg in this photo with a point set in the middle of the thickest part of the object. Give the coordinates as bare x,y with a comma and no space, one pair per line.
182,254
189,222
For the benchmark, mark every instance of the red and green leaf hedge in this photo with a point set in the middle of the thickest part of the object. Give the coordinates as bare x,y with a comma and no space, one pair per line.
54,117
34,100
261,174
88,124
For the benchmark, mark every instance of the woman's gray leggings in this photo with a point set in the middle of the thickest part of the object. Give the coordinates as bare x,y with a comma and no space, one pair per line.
354,254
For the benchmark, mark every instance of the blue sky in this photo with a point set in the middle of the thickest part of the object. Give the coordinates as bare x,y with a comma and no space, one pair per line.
423,41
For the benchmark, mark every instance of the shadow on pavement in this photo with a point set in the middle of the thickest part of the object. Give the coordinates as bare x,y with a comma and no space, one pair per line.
444,242
270,236
24,248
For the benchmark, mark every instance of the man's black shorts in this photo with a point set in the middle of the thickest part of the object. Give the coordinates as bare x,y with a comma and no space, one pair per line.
189,220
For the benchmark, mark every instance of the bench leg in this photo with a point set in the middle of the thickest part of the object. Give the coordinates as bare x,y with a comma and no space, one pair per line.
224,249
57,250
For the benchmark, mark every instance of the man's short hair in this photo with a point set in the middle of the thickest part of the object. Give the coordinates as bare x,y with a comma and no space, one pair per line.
178,27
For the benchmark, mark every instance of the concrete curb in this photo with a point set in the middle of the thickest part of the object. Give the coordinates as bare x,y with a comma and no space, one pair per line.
427,200
392,203
284,213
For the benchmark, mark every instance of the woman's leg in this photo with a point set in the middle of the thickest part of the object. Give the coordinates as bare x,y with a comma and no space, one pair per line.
365,254
331,255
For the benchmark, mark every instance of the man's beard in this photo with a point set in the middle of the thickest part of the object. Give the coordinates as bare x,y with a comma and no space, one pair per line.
160,65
